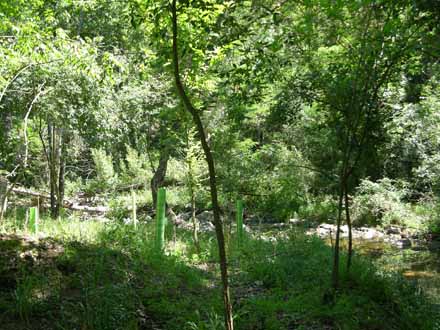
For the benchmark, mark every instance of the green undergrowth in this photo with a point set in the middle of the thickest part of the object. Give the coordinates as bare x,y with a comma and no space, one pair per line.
90,275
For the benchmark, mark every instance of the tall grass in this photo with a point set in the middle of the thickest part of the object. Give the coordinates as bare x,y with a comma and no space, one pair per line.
109,276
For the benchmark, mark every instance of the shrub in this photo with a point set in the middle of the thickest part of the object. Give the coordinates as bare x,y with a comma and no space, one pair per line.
432,207
106,177
381,203
135,169
319,209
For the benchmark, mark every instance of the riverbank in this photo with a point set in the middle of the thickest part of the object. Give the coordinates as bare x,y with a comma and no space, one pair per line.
96,275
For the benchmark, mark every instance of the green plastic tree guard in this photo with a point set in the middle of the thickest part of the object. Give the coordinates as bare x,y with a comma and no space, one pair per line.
33,219
239,215
160,219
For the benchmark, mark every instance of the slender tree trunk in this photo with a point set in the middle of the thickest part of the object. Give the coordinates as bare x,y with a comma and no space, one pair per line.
52,170
3,196
348,220
195,222
159,175
62,165
192,187
212,176
335,271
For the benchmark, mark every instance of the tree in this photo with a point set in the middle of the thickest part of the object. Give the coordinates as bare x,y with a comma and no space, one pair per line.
211,169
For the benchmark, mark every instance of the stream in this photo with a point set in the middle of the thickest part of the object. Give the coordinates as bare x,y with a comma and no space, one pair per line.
417,260
419,263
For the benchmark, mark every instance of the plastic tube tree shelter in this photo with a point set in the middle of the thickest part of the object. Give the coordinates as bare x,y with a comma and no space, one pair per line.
160,219
239,217
33,219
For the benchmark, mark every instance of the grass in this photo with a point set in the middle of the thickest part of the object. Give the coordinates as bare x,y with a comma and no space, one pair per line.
91,275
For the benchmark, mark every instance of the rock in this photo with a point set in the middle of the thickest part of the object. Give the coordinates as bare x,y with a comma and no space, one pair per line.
403,243
296,222
206,227
325,230
265,238
404,235
186,216
327,226
279,225
247,229
370,234
393,230
205,216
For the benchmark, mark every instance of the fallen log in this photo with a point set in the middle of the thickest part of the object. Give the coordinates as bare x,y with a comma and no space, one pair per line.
88,209
28,192
67,204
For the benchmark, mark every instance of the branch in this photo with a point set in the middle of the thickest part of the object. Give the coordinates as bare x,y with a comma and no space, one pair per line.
13,79
20,71
26,117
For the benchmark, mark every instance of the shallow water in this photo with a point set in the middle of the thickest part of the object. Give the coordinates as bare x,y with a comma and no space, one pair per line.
419,263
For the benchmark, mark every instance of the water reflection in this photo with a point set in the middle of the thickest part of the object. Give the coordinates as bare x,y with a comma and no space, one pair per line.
419,263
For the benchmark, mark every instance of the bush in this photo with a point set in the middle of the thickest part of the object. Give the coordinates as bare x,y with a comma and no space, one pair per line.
381,203
433,209
272,178
319,209
106,177
135,169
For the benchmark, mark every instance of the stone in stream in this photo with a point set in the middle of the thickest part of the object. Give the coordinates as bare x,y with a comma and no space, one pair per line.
371,233
403,243
393,230
365,233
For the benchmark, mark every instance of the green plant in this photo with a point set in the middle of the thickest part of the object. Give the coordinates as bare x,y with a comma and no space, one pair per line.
433,223
23,297
318,209
106,177
32,294
213,321
135,168
381,203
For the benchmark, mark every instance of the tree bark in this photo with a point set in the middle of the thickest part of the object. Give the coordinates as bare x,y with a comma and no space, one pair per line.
3,196
62,165
51,132
212,175
194,221
348,220
159,175
335,271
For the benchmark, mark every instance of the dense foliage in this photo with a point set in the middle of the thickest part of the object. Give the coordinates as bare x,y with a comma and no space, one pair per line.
314,111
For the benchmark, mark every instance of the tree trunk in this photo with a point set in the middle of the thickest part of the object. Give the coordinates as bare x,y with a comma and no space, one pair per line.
335,271
159,175
212,176
192,187
195,222
52,170
3,196
62,165
348,220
